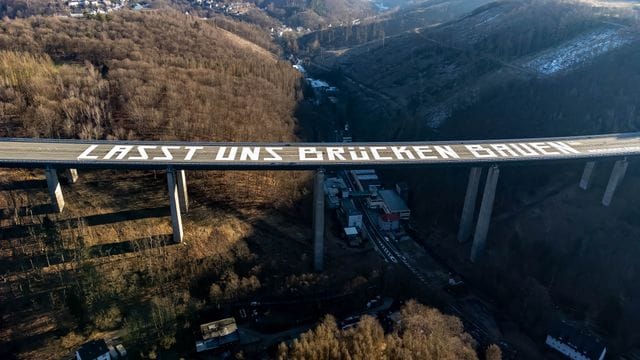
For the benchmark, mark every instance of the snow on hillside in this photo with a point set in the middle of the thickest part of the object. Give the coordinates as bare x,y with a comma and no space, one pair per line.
578,50
379,5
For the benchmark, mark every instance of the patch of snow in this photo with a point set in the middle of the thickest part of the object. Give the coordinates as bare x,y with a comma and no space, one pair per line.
380,5
317,84
578,50
488,20
300,68
437,116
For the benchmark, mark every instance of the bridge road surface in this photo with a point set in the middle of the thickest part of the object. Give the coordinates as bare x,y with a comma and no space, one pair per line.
40,153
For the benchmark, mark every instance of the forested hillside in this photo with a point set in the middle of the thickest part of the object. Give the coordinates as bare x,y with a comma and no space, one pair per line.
157,75
104,264
431,73
395,23
514,69
317,14
421,333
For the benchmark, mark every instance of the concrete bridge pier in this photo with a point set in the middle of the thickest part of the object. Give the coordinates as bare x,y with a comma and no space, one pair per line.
182,189
617,175
484,217
72,175
55,190
318,220
174,204
587,174
469,207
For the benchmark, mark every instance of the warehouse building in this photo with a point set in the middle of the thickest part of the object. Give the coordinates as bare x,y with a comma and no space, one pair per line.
394,204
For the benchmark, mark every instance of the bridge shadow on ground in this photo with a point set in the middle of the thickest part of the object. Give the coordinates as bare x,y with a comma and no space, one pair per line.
17,231
15,345
24,185
61,256
41,209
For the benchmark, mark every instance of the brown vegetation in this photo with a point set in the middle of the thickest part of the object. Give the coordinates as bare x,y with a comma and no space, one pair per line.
155,75
422,333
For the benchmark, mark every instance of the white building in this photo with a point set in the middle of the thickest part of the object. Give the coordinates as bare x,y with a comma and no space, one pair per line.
93,350
574,344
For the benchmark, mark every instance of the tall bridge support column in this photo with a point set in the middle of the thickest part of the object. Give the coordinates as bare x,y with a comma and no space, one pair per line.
182,190
318,221
617,174
469,207
484,217
72,175
174,204
55,190
587,174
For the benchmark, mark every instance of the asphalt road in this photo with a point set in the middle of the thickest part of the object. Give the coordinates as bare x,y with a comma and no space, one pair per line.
38,153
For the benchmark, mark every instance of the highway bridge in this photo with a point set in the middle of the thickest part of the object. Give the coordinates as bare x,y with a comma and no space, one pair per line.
176,157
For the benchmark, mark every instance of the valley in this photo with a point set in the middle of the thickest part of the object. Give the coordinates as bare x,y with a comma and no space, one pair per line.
318,71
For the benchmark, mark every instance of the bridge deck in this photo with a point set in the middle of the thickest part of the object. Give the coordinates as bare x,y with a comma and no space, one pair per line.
39,153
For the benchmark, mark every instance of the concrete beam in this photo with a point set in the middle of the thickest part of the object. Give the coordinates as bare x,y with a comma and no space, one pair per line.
484,217
182,190
617,175
587,174
55,190
318,221
469,207
174,204
72,176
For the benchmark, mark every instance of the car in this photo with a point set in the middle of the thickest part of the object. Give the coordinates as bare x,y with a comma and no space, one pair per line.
349,322
112,352
121,350
455,280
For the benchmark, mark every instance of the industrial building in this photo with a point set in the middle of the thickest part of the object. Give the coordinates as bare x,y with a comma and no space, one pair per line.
94,350
394,204
366,180
352,236
218,333
389,222
375,202
575,344
335,189
402,188
350,216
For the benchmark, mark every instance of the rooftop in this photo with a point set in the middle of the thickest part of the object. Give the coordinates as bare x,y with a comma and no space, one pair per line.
394,202
582,342
218,328
93,349
350,231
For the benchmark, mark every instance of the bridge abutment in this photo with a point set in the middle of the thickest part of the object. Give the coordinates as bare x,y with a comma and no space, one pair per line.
617,175
55,190
469,207
174,204
587,174
486,209
318,220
